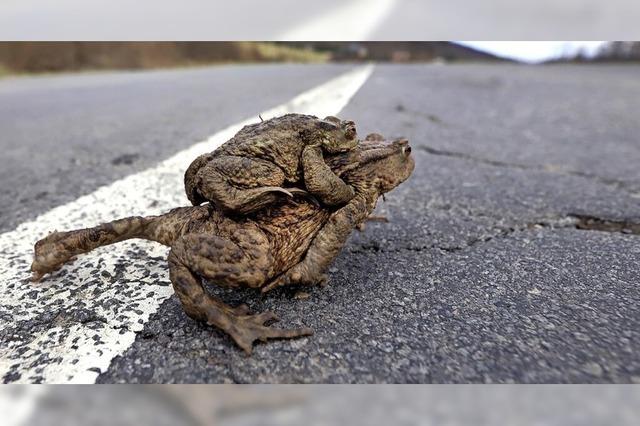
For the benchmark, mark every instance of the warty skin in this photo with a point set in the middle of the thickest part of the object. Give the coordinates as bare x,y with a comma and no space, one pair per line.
289,243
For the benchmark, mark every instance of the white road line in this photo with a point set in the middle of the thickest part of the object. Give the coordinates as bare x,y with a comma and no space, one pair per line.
354,20
75,320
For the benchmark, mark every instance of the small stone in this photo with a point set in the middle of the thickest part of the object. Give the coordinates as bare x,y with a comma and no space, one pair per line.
301,295
593,368
582,337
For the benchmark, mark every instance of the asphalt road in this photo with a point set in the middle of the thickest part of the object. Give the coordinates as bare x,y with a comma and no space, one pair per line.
65,136
326,20
510,255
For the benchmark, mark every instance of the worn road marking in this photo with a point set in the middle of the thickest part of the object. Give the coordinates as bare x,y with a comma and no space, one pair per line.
354,20
70,326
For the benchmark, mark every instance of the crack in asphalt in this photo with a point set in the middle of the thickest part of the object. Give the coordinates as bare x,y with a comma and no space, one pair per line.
594,223
617,183
582,222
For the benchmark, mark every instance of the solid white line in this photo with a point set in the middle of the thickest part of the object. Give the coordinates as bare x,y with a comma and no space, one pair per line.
354,20
67,350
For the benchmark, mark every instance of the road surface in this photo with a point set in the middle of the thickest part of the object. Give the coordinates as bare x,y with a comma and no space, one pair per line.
510,255
313,20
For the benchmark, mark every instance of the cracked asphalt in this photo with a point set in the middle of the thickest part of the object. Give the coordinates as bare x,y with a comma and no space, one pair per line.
510,255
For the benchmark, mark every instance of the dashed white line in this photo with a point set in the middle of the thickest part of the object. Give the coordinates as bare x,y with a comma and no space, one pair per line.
354,20
75,321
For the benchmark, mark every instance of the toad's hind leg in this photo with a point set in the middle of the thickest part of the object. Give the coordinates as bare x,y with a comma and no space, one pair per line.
237,184
243,260
51,252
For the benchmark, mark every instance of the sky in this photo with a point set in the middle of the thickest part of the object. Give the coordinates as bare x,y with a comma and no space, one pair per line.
534,51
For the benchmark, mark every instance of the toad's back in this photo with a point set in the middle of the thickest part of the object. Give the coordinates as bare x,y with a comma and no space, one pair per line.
278,140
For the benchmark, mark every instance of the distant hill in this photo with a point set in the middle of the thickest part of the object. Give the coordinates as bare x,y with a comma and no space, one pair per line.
19,57
612,51
74,56
398,51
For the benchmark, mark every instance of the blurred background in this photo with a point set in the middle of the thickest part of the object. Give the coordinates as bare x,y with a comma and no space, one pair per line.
322,405
37,57
319,20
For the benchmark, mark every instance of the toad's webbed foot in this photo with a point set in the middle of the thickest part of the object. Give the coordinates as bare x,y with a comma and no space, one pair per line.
246,329
242,260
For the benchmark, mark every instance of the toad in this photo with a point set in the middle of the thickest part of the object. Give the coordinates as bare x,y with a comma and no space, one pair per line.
248,172
293,242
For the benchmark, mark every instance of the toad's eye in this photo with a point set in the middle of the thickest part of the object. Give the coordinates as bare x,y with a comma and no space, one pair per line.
350,132
406,150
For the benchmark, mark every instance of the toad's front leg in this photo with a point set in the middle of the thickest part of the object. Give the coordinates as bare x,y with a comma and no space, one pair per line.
243,260
325,246
320,180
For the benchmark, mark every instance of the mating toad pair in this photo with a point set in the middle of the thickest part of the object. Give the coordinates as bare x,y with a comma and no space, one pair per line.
273,206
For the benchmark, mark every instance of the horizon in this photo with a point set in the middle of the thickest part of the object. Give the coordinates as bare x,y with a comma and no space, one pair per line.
535,51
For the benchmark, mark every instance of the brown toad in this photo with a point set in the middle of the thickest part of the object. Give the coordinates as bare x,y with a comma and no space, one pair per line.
247,172
292,242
